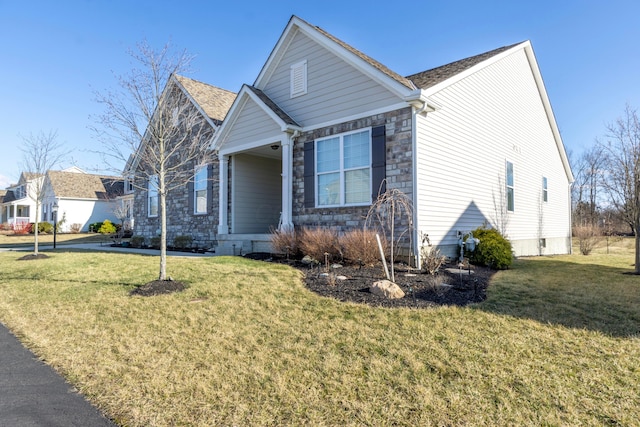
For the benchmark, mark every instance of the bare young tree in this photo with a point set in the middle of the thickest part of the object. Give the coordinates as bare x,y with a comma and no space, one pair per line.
588,173
152,127
41,152
622,165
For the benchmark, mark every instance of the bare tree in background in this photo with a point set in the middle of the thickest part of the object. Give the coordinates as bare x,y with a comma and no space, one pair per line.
588,182
41,152
622,164
150,125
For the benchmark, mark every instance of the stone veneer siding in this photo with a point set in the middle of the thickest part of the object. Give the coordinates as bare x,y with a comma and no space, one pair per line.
399,167
180,217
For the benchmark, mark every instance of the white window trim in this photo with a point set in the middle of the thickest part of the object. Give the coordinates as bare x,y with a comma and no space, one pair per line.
196,189
150,193
298,79
512,186
545,189
342,170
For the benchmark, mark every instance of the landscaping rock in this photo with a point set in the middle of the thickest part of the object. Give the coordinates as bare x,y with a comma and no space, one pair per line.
387,289
341,278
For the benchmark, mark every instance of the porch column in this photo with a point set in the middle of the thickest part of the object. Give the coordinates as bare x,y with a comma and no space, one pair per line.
223,196
287,182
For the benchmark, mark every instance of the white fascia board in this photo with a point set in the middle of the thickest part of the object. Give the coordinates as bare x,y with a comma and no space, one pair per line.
533,63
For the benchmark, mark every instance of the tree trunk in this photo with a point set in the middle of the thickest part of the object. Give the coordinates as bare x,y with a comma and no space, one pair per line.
163,232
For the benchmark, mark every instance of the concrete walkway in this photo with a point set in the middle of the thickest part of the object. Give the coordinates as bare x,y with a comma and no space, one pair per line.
33,394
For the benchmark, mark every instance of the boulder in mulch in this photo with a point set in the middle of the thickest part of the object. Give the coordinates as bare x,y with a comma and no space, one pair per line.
386,288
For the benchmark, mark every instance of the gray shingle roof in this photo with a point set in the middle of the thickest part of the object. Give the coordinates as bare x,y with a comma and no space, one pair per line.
85,186
273,106
402,80
431,77
214,101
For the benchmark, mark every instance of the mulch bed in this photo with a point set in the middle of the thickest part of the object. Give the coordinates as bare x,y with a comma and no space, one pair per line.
158,287
32,257
450,286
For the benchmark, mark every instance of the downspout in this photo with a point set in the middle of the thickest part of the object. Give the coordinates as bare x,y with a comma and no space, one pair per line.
414,173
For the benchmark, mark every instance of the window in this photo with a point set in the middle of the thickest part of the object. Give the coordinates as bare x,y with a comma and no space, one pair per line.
152,193
298,79
129,185
545,193
200,190
343,169
510,189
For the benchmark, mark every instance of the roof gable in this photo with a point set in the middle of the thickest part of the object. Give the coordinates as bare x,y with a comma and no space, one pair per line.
399,85
213,101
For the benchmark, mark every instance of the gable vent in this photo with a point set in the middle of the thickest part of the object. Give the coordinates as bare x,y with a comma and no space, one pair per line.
299,79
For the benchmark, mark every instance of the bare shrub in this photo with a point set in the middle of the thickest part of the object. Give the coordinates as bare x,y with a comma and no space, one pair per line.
316,242
360,246
392,214
284,241
75,228
430,257
588,237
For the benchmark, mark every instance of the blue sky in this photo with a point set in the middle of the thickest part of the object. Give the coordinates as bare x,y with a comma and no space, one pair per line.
55,54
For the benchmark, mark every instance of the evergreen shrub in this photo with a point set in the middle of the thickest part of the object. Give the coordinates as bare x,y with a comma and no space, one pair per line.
493,250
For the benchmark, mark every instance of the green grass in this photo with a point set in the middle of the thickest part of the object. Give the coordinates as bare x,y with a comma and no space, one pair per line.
556,343
26,240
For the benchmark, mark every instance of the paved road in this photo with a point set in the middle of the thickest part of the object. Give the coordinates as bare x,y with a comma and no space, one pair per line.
33,395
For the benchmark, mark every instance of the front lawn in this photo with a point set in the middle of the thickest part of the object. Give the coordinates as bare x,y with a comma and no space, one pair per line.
556,343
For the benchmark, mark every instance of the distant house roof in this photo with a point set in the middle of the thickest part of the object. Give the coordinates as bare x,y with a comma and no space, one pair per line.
215,102
9,196
85,186
2,194
428,78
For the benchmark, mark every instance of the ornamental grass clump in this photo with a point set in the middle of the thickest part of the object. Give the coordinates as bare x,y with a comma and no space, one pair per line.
360,246
316,242
493,250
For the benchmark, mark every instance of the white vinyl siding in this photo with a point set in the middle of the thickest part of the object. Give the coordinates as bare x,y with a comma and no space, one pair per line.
252,125
152,196
335,89
491,115
343,169
200,190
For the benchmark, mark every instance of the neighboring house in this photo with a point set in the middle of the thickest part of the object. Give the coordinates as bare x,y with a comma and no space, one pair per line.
19,203
192,209
324,125
82,198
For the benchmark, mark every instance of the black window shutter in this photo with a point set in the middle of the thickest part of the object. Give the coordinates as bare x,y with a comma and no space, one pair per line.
210,193
378,161
190,195
309,175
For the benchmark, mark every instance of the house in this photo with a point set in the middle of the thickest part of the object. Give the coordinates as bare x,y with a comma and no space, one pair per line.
192,208
82,198
18,204
324,126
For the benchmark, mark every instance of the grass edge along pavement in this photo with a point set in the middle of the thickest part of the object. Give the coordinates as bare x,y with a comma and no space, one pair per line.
247,344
